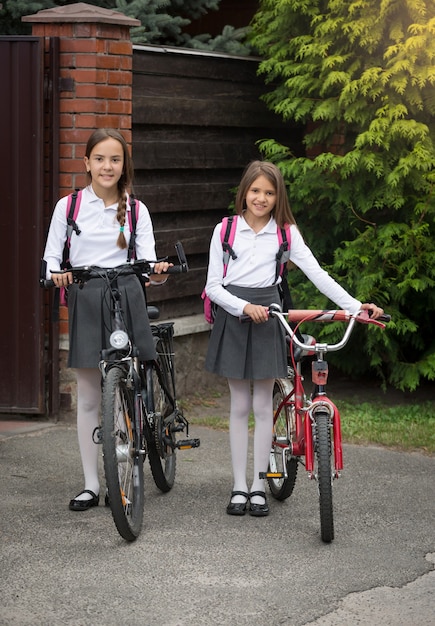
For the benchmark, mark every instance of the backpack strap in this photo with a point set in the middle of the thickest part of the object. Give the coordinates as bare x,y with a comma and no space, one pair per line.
283,254
228,233
133,214
72,210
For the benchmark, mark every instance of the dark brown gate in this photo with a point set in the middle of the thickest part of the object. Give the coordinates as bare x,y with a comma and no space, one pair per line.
21,225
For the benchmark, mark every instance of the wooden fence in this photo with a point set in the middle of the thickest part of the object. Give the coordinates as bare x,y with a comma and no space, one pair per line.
196,120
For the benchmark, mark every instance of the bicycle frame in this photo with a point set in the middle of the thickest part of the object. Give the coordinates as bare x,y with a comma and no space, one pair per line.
139,410
305,409
308,427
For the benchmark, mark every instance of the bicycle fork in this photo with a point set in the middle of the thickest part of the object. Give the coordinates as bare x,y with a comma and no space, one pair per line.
322,404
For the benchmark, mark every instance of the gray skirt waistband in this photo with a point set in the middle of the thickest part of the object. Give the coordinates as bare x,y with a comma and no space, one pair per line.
248,350
265,295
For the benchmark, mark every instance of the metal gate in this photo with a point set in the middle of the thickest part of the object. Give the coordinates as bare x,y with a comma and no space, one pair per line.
22,379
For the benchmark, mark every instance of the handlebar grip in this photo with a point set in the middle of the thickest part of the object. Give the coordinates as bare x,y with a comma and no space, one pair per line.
384,318
46,282
318,315
176,269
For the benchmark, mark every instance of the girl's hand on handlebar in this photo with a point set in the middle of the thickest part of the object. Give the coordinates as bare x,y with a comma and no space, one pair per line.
375,311
257,312
62,279
159,269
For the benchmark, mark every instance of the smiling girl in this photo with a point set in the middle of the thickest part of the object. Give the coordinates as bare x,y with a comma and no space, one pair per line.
254,354
103,241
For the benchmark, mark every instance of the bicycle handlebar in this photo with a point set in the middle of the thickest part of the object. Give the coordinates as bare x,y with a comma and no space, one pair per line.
338,315
141,267
312,315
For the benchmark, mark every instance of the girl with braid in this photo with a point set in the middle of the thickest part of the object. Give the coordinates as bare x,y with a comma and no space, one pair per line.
103,241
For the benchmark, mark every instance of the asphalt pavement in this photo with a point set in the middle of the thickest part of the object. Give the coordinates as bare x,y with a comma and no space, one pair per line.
193,565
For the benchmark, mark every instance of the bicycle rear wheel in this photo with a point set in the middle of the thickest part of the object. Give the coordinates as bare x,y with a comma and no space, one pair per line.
284,432
123,460
322,447
161,405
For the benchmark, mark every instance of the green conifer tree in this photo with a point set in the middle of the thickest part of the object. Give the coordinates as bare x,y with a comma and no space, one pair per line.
359,75
163,22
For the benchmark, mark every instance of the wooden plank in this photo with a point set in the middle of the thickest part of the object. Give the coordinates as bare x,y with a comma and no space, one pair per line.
203,112
185,155
194,240
150,86
173,62
179,197
179,286
189,305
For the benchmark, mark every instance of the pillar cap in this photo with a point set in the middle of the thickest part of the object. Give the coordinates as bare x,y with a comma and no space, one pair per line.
81,12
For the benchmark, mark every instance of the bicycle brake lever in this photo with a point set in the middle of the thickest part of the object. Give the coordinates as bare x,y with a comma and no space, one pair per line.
182,256
363,317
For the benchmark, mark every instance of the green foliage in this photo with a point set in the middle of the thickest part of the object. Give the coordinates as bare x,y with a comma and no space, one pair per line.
231,41
360,76
163,22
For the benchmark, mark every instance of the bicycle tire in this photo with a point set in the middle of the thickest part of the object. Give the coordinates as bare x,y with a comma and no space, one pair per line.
123,459
284,432
161,449
322,447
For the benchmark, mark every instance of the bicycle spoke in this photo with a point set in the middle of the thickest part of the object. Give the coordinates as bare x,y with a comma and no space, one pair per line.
281,462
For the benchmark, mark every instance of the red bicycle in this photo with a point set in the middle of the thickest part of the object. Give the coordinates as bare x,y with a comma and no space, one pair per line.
309,426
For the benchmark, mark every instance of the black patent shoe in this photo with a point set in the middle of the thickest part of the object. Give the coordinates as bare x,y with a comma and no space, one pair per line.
84,505
258,510
237,508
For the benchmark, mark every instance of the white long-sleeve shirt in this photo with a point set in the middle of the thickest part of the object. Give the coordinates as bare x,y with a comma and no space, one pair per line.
96,244
255,266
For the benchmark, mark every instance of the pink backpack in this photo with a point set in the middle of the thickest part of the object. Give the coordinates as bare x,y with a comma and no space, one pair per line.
228,233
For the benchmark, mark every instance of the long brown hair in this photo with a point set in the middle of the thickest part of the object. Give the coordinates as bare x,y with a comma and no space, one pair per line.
126,179
281,211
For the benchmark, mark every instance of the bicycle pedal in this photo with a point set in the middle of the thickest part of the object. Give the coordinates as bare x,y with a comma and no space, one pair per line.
186,444
271,475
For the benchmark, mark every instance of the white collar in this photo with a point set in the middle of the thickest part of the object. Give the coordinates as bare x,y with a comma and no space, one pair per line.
94,198
270,227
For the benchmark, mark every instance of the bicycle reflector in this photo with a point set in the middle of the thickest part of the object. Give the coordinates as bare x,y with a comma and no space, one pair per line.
119,339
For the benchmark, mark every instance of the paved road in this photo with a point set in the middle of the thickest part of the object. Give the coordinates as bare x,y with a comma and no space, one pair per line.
193,565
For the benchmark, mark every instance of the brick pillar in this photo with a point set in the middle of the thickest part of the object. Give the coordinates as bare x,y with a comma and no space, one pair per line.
96,78
95,92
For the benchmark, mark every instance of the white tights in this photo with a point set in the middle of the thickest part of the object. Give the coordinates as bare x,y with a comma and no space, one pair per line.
241,403
88,410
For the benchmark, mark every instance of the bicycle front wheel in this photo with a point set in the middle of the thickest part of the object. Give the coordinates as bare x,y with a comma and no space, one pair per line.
323,448
123,459
284,432
161,405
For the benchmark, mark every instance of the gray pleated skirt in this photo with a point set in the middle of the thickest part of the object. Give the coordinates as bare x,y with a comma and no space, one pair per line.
89,320
247,350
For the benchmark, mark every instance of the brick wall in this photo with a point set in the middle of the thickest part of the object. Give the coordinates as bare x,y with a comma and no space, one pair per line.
95,79
95,91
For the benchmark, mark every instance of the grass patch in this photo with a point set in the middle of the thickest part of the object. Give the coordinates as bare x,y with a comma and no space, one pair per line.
402,426
408,427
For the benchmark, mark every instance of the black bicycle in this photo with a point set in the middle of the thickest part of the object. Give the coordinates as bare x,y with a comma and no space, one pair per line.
140,412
